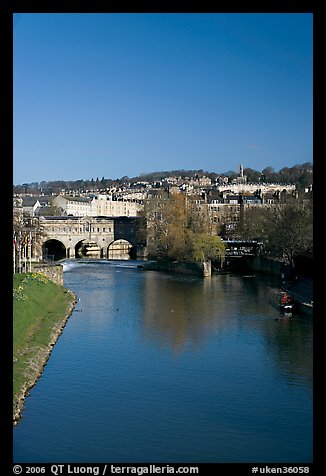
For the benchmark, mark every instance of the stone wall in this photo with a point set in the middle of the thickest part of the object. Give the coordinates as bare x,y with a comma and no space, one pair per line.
265,265
54,272
192,269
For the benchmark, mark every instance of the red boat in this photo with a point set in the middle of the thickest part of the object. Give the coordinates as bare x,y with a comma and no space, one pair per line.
281,300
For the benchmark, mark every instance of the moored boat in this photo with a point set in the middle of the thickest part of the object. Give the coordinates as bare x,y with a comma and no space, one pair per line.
301,296
281,300
306,307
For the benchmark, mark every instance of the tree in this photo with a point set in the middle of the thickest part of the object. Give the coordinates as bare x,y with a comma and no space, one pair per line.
179,231
205,247
269,174
200,220
255,224
166,218
27,234
286,230
291,234
252,175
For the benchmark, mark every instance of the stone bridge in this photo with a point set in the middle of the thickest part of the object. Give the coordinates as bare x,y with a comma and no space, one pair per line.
240,253
97,237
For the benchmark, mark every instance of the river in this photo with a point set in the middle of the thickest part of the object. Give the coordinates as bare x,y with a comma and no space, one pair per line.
154,367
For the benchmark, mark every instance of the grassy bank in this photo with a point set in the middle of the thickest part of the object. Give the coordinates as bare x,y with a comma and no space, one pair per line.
40,311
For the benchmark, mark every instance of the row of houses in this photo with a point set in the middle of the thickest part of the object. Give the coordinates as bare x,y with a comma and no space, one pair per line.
222,198
224,205
100,205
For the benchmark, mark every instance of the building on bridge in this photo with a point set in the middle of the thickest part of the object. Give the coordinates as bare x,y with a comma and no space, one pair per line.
99,205
76,206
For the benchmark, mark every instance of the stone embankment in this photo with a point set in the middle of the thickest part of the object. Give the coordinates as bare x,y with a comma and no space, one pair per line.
264,265
201,269
54,272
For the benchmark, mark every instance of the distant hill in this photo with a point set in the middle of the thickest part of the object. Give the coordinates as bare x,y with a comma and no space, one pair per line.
300,175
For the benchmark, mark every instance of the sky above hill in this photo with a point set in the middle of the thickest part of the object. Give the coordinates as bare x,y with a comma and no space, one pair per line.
113,94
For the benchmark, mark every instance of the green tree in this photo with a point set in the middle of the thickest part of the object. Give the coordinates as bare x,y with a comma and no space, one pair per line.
205,247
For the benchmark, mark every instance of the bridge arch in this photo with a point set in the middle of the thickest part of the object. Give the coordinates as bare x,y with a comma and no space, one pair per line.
53,250
87,248
120,249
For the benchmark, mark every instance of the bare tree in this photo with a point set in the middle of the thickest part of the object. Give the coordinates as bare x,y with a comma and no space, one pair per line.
27,236
286,229
291,232
177,230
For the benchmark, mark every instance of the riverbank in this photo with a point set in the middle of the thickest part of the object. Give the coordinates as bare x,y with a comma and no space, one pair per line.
41,309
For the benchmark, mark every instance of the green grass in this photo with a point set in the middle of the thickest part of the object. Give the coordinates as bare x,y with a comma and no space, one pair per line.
39,307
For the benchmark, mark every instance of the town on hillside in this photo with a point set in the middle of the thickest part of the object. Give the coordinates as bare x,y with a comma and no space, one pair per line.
220,195
71,215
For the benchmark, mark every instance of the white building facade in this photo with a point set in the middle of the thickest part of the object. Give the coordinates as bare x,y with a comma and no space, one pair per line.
100,205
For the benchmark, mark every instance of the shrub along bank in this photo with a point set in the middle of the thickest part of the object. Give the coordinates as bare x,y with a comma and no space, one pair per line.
40,311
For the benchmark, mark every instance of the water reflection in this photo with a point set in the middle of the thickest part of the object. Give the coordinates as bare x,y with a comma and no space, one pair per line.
179,311
182,312
290,342
174,313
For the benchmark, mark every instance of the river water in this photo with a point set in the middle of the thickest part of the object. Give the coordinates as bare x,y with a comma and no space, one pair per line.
154,367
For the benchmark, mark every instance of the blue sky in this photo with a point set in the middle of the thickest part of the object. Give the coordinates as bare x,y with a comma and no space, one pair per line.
123,94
